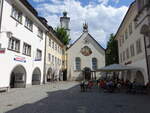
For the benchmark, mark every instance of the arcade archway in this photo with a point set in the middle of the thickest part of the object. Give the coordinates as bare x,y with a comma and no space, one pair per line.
50,75
139,77
36,77
18,77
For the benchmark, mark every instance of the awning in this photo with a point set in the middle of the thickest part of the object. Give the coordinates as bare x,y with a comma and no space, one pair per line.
116,67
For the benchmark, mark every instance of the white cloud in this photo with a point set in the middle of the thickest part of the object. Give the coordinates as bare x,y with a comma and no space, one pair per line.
102,19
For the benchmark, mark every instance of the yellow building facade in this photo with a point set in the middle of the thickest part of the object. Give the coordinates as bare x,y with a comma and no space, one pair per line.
55,57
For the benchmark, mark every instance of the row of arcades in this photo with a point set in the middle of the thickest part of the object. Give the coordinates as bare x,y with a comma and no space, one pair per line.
18,76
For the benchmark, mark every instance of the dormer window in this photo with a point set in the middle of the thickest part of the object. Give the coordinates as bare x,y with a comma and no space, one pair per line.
141,4
16,14
40,33
29,24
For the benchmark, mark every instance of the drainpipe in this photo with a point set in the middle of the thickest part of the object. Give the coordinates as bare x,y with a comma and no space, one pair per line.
1,6
146,58
44,70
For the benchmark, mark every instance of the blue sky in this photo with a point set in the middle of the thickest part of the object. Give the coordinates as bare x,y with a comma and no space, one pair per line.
86,2
102,16
111,2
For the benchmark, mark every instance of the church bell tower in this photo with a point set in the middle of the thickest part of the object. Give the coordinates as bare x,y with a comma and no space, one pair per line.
64,22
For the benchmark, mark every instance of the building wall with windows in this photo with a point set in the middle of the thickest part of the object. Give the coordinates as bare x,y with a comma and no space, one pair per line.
54,58
22,38
84,53
143,19
132,46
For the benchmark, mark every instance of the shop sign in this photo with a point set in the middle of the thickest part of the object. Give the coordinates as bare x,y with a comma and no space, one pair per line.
2,50
20,59
38,59
130,62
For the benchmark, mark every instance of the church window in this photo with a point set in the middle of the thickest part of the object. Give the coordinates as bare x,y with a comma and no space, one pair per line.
94,63
78,63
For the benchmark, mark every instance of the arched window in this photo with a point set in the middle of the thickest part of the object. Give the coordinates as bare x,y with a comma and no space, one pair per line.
94,63
78,63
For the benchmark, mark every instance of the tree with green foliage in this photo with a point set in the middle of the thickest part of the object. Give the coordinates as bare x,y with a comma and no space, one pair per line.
112,51
62,35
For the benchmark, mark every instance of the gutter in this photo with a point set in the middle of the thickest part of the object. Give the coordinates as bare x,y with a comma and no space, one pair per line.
146,59
1,13
44,68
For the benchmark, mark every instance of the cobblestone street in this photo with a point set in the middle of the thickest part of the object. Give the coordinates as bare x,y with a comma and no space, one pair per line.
65,97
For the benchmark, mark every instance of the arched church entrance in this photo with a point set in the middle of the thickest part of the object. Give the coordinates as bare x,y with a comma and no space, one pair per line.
50,75
18,77
139,77
87,73
36,77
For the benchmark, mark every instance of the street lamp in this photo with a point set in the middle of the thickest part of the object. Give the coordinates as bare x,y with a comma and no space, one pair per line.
9,34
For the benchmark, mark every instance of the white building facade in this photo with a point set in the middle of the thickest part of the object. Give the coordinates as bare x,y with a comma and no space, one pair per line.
22,45
84,54
142,21
132,46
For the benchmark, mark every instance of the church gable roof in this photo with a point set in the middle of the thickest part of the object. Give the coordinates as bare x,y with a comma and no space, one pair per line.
86,37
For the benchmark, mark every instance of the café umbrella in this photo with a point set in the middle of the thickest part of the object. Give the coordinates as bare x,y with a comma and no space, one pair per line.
116,68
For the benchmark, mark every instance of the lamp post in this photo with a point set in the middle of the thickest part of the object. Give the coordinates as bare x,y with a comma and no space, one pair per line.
145,30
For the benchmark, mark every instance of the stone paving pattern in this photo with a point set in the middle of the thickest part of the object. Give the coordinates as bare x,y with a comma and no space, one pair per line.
65,97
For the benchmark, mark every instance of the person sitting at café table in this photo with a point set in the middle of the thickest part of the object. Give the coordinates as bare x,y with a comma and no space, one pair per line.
102,84
90,84
82,86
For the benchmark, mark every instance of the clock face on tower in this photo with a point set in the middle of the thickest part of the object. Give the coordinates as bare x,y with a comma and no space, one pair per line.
86,51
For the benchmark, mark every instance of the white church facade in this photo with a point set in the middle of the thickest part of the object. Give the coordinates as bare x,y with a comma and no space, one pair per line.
84,53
